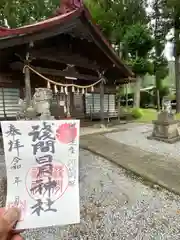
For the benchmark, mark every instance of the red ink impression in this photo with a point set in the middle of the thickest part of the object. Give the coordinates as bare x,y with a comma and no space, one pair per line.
66,133
43,182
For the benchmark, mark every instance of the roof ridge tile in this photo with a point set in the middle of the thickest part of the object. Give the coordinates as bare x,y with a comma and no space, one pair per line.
68,6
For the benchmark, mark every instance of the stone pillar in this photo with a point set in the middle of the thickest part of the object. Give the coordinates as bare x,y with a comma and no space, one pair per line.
42,101
102,101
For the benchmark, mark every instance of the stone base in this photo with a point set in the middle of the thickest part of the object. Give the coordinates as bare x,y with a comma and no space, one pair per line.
167,130
166,140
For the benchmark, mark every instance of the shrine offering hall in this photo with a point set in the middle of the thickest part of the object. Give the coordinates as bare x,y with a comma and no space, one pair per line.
66,53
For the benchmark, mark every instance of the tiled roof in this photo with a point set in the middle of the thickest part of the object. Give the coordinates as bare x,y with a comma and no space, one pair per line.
63,15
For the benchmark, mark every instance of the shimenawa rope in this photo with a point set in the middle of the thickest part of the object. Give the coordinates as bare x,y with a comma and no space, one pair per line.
61,84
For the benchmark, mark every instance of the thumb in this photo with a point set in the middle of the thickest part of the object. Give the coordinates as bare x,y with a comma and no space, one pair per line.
7,221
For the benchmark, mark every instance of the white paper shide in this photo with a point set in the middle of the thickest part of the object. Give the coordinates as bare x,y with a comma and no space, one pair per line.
42,171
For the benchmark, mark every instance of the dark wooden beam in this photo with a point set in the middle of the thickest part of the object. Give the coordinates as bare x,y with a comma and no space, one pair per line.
64,57
53,72
125,80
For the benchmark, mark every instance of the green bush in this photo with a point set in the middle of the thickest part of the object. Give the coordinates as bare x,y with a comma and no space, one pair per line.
137,113
164,91
172,97
145,99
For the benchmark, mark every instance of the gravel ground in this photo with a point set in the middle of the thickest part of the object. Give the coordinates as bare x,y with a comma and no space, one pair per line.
136,136
116,206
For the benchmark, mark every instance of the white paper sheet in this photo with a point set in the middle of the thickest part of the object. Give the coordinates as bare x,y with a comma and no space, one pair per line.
42,171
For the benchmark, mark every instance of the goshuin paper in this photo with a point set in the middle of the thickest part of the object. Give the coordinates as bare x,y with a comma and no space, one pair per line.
42,171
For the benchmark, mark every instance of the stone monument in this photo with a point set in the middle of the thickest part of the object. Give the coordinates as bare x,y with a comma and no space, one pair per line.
42,101
166,128
39,108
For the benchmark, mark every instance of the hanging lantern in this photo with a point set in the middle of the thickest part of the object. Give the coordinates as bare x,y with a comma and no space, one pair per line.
62,90
83,91
55,89
92,88
48,85
72,88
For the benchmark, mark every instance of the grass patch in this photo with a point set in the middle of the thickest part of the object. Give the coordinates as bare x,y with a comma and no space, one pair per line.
151,114
148,115
177,116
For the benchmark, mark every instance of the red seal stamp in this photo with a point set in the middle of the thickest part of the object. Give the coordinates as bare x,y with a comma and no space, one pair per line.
66,133
47,181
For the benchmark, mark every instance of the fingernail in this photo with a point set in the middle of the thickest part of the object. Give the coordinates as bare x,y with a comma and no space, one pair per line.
12,215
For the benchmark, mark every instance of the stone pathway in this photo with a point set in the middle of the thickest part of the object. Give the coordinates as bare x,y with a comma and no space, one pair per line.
115,204
153,167
118,207
95,130
136,136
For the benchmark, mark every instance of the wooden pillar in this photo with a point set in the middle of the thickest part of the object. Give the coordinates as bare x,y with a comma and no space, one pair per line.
71,100
3,102
119,107
127,95
102,100
27,82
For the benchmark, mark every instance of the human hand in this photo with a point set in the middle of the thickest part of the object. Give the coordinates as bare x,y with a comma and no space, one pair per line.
7,221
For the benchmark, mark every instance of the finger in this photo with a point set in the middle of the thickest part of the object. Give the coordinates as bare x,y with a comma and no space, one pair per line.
14,231
11,216
2,210
8,220
17,237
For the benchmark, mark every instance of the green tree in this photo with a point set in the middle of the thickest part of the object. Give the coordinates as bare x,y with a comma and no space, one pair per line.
160,72
21,12
172,14
103,15
160,27
115,16
139,43
123,22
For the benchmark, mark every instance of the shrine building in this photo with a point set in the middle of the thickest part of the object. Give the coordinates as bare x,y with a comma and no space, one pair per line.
67,53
